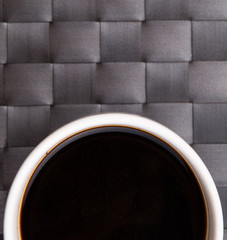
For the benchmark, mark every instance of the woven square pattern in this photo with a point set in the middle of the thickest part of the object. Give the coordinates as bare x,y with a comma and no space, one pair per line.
28,83
28,42
121,10
73,83
120,83
3,42
120,41
75,41
27,10
27,126
61,60
166,41
71,10
166,10
209,40
167,82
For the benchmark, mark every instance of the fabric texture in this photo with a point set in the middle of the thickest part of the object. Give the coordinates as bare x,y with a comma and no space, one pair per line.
62,60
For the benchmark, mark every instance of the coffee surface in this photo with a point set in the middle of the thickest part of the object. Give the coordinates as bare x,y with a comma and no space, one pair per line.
113,186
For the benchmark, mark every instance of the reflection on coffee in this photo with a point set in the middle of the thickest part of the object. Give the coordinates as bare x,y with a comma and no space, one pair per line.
113,184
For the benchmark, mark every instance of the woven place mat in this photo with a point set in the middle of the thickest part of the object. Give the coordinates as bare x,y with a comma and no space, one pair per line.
61,60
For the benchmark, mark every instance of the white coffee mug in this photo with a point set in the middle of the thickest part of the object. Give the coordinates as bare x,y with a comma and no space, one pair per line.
14,201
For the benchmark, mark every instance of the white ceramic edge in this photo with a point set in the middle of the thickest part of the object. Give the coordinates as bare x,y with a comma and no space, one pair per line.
11,215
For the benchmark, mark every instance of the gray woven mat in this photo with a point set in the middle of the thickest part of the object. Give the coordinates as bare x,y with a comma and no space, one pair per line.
61,60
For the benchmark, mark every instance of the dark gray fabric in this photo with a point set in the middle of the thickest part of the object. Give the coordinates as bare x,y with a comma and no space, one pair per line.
125,108
27,10
120,83
3,126
63,114
12,160
167,10
28,42
3,195
71,10
1,8
28,84
75,41
223,196
186,10
166,41
207,10
3,42
120,41
1,84
167,82
73,83
176,116
27,126
208,81
1,171
62,60
209,40
215,157
210,123
120,10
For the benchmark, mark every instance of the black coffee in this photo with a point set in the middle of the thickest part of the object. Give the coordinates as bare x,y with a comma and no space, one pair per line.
113,185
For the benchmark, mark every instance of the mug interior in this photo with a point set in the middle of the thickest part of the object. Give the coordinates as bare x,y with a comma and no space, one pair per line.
173,194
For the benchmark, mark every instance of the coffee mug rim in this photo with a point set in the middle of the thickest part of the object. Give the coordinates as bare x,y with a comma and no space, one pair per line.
213,204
